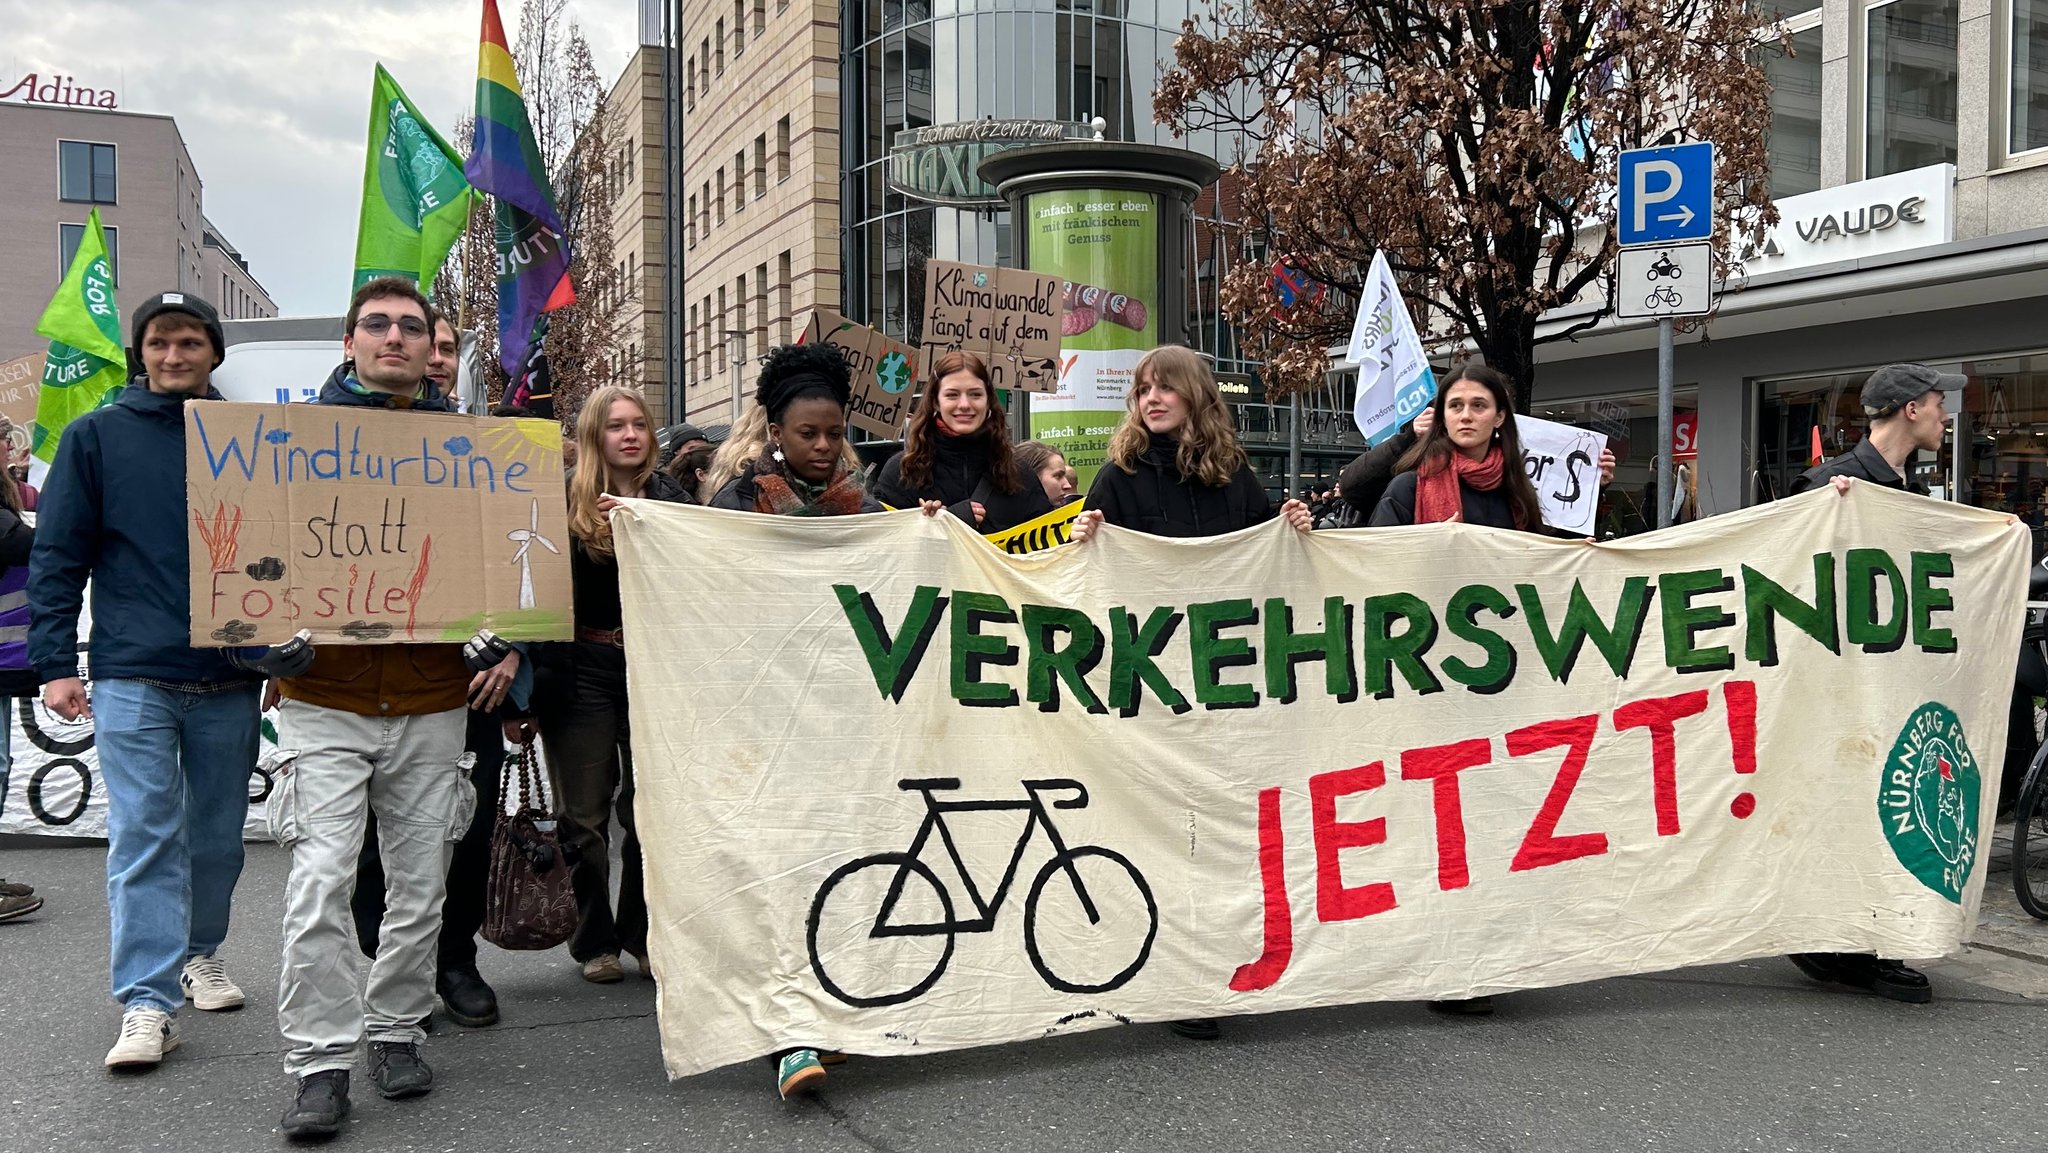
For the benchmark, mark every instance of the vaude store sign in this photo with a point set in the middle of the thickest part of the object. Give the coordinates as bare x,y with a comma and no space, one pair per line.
1893,213
939,164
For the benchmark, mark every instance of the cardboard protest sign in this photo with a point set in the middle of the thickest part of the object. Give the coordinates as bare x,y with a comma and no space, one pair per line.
1563,462
954,797
21,382
369,525
883,371
1007,316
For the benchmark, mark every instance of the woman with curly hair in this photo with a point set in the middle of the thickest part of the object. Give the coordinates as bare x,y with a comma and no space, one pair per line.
806,469
1175,469
958,453
579,695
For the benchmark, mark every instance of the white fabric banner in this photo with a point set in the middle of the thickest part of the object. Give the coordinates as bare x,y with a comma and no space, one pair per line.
900,792
1394,377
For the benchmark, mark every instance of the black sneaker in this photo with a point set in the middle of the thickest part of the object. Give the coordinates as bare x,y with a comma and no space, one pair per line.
320,1108
1464,1007
398,1070
1196,1029
467,998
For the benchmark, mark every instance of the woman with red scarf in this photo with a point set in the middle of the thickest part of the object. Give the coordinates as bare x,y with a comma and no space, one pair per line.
958,453
1468,466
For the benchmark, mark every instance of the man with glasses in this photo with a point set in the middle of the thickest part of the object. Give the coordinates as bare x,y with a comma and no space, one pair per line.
377,728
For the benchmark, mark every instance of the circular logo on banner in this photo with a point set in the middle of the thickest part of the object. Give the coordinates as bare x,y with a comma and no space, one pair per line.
1928,798
413,175
893,374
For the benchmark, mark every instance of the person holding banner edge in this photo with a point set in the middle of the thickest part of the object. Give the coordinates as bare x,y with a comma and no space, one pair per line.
1054,474
579,697
957,452
1175,469
1907,415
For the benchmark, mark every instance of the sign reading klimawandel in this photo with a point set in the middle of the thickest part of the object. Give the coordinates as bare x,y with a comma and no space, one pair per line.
911,793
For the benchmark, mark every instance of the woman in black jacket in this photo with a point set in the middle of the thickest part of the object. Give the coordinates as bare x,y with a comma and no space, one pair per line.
1175,469
958,453
579,694
1468,466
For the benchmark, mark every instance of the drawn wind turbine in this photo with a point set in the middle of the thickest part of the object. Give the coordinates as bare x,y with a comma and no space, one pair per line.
527,537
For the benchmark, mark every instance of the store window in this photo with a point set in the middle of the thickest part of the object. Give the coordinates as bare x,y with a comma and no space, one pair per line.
1629,505
1791,62
85,172
2028,112
1909,86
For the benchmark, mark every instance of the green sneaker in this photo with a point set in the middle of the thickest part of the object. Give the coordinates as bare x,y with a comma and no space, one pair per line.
798,1072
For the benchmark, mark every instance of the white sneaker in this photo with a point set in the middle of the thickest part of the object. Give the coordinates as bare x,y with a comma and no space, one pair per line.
147,1033
206,985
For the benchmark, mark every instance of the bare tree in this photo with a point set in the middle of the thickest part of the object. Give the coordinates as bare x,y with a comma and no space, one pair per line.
1474,141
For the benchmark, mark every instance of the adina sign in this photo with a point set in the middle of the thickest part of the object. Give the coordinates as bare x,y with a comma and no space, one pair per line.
939,164
35,88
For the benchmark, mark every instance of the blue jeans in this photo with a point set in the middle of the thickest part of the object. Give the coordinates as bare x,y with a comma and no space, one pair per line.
176,767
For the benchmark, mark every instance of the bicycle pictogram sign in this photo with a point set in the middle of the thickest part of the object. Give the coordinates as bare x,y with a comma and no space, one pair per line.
882,928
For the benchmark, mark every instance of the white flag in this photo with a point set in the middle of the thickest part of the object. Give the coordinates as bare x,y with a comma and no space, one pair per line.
1394,379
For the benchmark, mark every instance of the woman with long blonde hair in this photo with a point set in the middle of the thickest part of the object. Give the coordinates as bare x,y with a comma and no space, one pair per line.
1175,467
579,692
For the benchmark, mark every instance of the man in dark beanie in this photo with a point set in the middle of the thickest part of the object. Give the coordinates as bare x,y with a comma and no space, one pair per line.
1907,415
176,726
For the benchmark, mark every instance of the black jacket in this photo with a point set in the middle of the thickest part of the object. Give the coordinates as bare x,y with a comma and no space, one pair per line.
960,476
113,510
1364,481
1863,462
1489,508
337,391
1157,499
739,495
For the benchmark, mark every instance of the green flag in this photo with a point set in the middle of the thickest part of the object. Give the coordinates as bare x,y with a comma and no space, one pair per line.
415,198
86,366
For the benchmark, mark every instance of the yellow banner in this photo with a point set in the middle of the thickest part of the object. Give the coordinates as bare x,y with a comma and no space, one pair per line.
1033,535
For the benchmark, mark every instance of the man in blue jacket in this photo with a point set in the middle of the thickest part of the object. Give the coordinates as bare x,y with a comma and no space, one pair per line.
176,726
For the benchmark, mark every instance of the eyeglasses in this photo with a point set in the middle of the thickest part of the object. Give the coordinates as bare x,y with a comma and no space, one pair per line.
377,324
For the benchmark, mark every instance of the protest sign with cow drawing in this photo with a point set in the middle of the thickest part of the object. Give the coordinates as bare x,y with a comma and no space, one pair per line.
1009,317
953,797
368,526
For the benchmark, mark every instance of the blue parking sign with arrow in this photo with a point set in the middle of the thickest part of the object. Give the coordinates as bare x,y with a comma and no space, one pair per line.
1667,194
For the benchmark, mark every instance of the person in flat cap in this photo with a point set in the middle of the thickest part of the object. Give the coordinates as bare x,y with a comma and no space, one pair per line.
1904,404
1907,414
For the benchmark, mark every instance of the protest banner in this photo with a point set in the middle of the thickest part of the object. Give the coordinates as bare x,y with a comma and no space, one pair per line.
1008,317
1394,377
368,525
882,371
1040,533
1563,462
950,797
21,382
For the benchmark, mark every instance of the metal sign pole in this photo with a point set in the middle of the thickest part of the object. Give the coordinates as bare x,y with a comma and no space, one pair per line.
1293,446
1663,457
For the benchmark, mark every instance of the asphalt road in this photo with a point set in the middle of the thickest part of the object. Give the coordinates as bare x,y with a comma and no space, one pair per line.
1734,1057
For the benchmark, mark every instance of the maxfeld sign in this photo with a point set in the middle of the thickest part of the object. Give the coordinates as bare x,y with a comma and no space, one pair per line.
939,164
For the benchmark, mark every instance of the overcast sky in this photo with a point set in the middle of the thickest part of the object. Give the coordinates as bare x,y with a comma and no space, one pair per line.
273,99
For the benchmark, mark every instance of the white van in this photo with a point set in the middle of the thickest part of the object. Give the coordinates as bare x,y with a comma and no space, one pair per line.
278,360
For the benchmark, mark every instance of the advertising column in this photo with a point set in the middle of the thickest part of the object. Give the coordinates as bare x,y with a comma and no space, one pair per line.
1104,243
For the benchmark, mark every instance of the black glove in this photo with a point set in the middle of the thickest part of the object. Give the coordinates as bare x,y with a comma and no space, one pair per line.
485,651
290,659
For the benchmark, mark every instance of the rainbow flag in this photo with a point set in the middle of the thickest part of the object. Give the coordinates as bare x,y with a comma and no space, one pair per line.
504,161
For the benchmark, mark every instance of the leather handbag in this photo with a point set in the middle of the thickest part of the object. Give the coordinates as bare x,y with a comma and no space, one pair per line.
529,902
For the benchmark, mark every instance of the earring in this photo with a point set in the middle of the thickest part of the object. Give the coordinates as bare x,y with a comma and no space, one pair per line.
777,454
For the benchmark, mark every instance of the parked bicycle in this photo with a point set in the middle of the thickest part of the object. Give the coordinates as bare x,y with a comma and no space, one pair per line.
882,928
2030,812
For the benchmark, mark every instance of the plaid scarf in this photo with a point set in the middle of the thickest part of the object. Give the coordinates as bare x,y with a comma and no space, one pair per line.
778,493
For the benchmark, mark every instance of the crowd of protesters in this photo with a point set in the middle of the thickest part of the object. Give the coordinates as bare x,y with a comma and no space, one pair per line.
386,810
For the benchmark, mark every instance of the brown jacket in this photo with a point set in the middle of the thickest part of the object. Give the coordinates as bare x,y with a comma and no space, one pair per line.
383,680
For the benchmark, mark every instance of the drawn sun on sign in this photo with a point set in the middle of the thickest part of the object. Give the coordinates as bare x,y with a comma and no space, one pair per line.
533,442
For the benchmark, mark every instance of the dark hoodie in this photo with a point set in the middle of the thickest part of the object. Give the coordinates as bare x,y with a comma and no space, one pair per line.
960,476
113,510
1157,499
343,388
